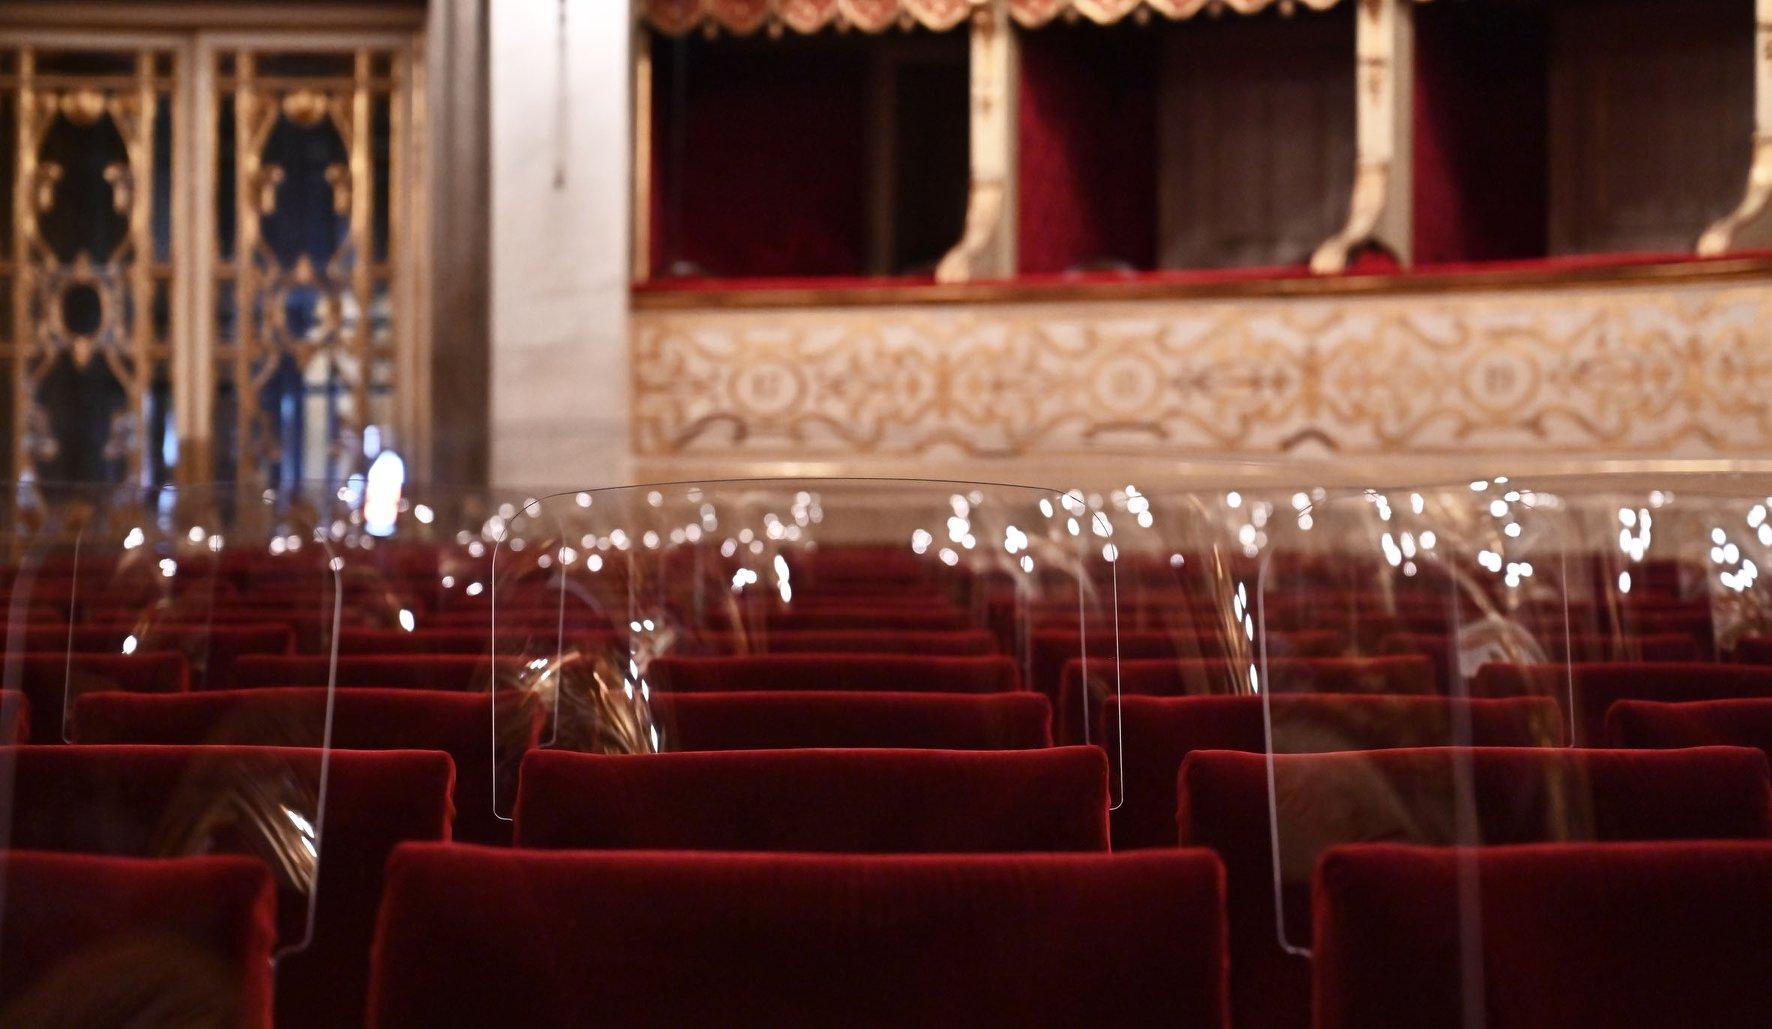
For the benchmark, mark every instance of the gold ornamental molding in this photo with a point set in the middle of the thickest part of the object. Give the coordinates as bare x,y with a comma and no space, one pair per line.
1035,13
1646,372
746,17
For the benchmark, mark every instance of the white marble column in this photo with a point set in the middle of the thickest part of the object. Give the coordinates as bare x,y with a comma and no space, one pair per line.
559,389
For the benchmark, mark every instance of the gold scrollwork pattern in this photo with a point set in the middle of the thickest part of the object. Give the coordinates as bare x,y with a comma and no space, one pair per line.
1646,371
111,277
333,289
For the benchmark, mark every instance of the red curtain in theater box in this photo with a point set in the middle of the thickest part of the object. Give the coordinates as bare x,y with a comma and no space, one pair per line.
832,154
1205,143
1577,127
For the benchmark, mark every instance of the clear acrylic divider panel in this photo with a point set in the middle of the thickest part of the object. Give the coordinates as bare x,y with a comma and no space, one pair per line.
131,614
1430,705
615,612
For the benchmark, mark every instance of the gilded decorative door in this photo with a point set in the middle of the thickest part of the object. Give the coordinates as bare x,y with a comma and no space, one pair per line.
211,271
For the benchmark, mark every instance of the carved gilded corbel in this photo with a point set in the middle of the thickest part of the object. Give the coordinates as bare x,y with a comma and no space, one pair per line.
1750,224
987,244
1380,207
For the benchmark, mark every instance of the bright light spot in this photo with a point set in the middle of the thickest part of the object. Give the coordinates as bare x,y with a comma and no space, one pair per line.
1512,529
1072,527
129,644
424,514
1300,501
215,543
1014,540
545,561
1427,540
650,540
1233,499
1498,508
196,534
407,622
1624,582
1479,486
742,578
134,539
1417,503
728,547
1027,562
655,498
1046,507
476,549
449,582
948,557
594,562
1718,536
1627,517
337,564
1110,553
583,499
781,579
381,498
1176,560
168,567
474,589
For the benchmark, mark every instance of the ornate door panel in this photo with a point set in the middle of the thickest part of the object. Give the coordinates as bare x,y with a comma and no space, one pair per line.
210,272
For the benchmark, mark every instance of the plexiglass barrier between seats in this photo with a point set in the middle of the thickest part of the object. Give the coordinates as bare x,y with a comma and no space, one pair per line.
1269,673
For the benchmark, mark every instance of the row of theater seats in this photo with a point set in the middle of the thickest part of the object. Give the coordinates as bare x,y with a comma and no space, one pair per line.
590,903
923,883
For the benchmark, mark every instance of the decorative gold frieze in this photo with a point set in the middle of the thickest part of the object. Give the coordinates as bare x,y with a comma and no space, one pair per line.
1641,371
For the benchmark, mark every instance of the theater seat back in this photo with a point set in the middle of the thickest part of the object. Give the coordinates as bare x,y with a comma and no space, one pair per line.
471,936
1555,935
365,719
865,801
1153,735
892,673
53,681
1438,795
789,720
123,941
157,800
1700,723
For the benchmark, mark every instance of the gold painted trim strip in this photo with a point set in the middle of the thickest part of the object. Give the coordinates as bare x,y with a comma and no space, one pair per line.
1474,281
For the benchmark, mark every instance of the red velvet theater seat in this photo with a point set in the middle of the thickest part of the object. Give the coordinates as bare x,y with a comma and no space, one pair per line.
954,644
1576,935
1648,724
459,724
1052,649
54,680
1598,687
787,720
451,672
1514,795
15,717
1403,674
123,941
471,936
1589,649
134,801
1154,735
890,673
209,650
866,801
852,619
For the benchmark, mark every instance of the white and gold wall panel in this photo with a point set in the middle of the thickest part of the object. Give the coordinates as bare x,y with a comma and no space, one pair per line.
1656,370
